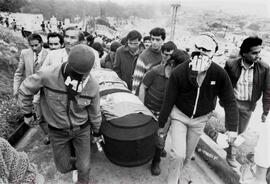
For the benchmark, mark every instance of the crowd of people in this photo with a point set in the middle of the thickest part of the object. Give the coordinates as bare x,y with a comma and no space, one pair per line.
55,89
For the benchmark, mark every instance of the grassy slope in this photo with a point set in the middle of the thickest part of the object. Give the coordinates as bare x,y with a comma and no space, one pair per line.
11,45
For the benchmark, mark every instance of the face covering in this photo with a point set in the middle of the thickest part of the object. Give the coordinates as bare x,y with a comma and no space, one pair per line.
199,62
76,85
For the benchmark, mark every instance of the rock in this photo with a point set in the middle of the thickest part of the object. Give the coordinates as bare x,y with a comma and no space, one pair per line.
3,42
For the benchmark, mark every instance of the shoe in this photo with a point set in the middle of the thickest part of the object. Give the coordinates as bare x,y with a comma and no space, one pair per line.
163,153
232,162
75,176
155,169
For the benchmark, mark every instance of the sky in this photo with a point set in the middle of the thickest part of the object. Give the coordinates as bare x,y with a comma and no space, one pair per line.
185,1
256,7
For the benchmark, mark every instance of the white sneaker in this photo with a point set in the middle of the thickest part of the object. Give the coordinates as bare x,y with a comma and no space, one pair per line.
75,176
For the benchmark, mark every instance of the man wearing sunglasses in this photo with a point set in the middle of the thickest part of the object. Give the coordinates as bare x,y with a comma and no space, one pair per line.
190,97
250,79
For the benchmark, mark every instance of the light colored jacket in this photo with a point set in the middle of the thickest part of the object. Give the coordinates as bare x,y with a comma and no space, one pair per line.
26,67
59,56
57,110
56,57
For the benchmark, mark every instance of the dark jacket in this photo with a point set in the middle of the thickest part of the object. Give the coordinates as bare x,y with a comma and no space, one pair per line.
124,64
182,92
261,81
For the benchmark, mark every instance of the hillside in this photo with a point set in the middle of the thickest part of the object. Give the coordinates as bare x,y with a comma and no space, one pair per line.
11,45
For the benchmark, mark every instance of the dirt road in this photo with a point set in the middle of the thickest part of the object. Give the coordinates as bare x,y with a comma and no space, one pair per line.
103,171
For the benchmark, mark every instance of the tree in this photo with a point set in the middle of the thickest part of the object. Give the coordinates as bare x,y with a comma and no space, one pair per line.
12,5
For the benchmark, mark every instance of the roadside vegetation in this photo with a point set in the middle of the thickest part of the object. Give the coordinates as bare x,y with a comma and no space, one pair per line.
11,45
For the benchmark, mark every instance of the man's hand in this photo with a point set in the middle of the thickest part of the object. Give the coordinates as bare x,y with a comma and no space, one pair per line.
98,139
263,118
29,120
160,132
222,140
232,136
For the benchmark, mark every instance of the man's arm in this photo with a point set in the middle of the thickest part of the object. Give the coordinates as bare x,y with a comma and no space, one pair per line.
266,93
95,113
142,92
117,64
171,92
29,87
18,75
138,74
228,100
48,60
147,81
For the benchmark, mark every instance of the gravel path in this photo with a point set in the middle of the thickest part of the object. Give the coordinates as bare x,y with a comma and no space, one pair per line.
105,172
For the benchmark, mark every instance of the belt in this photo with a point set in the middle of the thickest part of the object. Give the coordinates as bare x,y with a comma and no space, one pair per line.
78,127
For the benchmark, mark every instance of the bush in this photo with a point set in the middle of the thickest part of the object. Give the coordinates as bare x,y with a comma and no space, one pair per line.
10,115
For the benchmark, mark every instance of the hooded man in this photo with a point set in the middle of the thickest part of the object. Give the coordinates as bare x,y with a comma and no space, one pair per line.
190,97
70,104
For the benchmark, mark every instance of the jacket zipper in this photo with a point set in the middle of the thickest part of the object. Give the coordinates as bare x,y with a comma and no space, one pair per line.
196,102
68,114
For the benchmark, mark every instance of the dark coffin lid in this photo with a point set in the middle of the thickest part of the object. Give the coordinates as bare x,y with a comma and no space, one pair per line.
130,127
131,120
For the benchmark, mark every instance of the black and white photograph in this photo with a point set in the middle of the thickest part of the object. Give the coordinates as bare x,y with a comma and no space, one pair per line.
134,91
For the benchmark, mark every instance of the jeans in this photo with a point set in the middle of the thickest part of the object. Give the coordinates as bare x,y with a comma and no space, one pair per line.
62,142
185,134
244,115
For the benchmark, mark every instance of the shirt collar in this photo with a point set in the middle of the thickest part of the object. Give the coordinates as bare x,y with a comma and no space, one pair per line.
126,48
40,53
245,67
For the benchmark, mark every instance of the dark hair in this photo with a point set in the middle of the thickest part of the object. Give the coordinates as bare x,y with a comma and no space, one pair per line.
158,31
54,34
86,33
34,36
146,38
114,46
249,42
124,41
46,46
90,40
168,46
80,33
179,56
132,35
98,47
80,36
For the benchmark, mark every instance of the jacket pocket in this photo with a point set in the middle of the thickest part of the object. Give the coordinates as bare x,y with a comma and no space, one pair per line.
57,102
81,104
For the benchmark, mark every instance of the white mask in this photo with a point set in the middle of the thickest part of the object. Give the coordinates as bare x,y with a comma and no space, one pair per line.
74,84
200,63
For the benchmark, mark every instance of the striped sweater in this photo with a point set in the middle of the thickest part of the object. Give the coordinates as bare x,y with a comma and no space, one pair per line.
147,59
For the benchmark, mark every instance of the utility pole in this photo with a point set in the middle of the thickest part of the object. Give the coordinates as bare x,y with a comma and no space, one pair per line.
83,15
175,7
